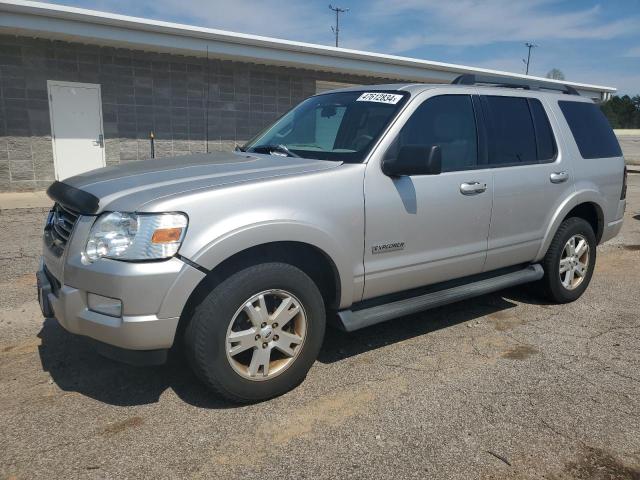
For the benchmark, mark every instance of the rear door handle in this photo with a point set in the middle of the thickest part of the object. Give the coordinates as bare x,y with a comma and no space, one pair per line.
472,188
559,177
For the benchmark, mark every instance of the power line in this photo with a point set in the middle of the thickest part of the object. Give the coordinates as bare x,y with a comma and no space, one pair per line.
338,11
528,60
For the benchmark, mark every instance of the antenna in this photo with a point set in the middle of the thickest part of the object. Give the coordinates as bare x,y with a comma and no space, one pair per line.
338,11
529,46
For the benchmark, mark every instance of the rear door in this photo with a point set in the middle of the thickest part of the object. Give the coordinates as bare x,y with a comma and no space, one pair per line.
531,176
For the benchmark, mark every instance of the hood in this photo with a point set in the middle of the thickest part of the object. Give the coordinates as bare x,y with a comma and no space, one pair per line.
133,184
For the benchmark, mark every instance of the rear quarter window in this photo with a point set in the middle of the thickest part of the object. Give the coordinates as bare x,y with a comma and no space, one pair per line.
591,130
546,143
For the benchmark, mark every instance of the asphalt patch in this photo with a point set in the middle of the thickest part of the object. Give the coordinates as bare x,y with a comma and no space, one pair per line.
121,426
520,352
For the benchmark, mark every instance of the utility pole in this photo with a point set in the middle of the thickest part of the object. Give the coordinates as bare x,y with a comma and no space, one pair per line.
529,46
338,11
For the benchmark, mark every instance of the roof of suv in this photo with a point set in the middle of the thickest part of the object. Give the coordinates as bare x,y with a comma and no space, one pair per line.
407,87
415,88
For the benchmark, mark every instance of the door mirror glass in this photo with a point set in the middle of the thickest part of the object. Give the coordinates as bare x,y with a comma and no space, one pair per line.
414,160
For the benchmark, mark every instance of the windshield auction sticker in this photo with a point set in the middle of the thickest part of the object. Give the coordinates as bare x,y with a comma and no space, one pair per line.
379,97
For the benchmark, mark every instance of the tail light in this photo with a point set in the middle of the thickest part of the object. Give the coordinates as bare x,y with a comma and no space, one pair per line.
623,194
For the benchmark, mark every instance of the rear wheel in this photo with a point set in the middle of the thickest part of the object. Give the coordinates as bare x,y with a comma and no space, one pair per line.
569,262
257,333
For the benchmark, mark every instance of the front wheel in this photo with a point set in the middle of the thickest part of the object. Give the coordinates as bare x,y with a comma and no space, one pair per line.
257,333
570,261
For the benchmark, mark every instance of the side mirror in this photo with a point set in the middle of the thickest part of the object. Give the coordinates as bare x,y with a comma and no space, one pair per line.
414,160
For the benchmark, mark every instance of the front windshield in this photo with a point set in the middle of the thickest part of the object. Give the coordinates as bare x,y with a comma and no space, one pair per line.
334,126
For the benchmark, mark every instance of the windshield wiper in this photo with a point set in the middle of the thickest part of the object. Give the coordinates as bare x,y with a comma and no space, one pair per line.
240,149
282,149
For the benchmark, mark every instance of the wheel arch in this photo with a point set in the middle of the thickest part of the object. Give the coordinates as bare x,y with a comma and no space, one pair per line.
315,262
586,205
592,213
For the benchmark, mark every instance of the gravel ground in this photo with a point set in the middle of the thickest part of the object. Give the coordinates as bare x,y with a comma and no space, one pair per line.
502,386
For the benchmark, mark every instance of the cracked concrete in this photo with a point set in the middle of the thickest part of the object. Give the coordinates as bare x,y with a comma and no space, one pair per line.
502,386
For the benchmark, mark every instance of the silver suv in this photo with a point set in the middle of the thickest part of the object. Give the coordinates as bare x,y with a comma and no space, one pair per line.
358,206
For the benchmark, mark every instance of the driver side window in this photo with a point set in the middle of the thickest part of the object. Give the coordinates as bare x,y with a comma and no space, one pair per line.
447,121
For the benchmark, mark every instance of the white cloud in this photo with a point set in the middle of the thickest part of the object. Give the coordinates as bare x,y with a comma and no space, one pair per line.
475,22
633,52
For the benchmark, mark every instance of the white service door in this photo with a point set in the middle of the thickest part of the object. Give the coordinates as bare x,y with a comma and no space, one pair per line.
76,128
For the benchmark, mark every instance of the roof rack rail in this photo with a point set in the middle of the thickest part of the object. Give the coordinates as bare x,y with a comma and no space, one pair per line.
472,79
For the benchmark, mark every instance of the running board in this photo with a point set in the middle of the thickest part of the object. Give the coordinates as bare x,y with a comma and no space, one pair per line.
351,320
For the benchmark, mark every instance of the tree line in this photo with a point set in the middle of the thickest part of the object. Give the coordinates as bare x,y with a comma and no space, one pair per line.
622,112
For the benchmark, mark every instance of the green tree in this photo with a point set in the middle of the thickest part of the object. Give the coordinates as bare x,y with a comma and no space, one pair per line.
623,112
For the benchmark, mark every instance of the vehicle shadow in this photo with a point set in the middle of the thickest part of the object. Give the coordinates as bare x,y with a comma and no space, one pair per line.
339,345
75,366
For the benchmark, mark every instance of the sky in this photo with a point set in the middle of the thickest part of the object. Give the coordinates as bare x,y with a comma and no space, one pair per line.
589,41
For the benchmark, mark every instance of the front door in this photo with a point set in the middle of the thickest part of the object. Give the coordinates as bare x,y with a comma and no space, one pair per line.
424,229
76,127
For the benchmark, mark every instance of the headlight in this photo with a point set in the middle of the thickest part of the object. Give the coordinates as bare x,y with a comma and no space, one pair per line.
131,236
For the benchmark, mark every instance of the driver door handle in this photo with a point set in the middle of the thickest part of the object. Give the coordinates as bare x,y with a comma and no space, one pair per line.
472,188
559,177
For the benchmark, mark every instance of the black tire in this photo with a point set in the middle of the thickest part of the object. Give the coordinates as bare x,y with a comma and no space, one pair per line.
205,334
551,283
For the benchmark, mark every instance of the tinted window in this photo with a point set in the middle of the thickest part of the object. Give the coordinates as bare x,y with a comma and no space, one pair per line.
591,130
333,126
447,121
544,136
511,135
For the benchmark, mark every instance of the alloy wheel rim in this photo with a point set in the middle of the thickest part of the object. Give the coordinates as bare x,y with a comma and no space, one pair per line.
266,335
574,262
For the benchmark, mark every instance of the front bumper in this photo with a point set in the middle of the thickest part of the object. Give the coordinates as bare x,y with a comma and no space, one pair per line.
152,294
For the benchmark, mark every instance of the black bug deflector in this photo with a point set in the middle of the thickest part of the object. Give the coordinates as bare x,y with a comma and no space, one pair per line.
73,198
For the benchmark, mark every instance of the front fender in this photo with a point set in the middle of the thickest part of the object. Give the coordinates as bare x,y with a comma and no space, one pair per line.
575,199
245,237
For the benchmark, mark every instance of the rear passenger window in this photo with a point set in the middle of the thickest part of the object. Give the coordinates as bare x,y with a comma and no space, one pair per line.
511,134
590,129
449,122
545,142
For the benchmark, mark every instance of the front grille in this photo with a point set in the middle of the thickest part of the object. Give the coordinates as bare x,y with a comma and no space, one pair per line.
59,227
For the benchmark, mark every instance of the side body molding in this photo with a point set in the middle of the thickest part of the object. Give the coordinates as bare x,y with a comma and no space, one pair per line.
577,198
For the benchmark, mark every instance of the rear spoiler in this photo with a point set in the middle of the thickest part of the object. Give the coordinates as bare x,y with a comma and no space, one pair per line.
73,198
